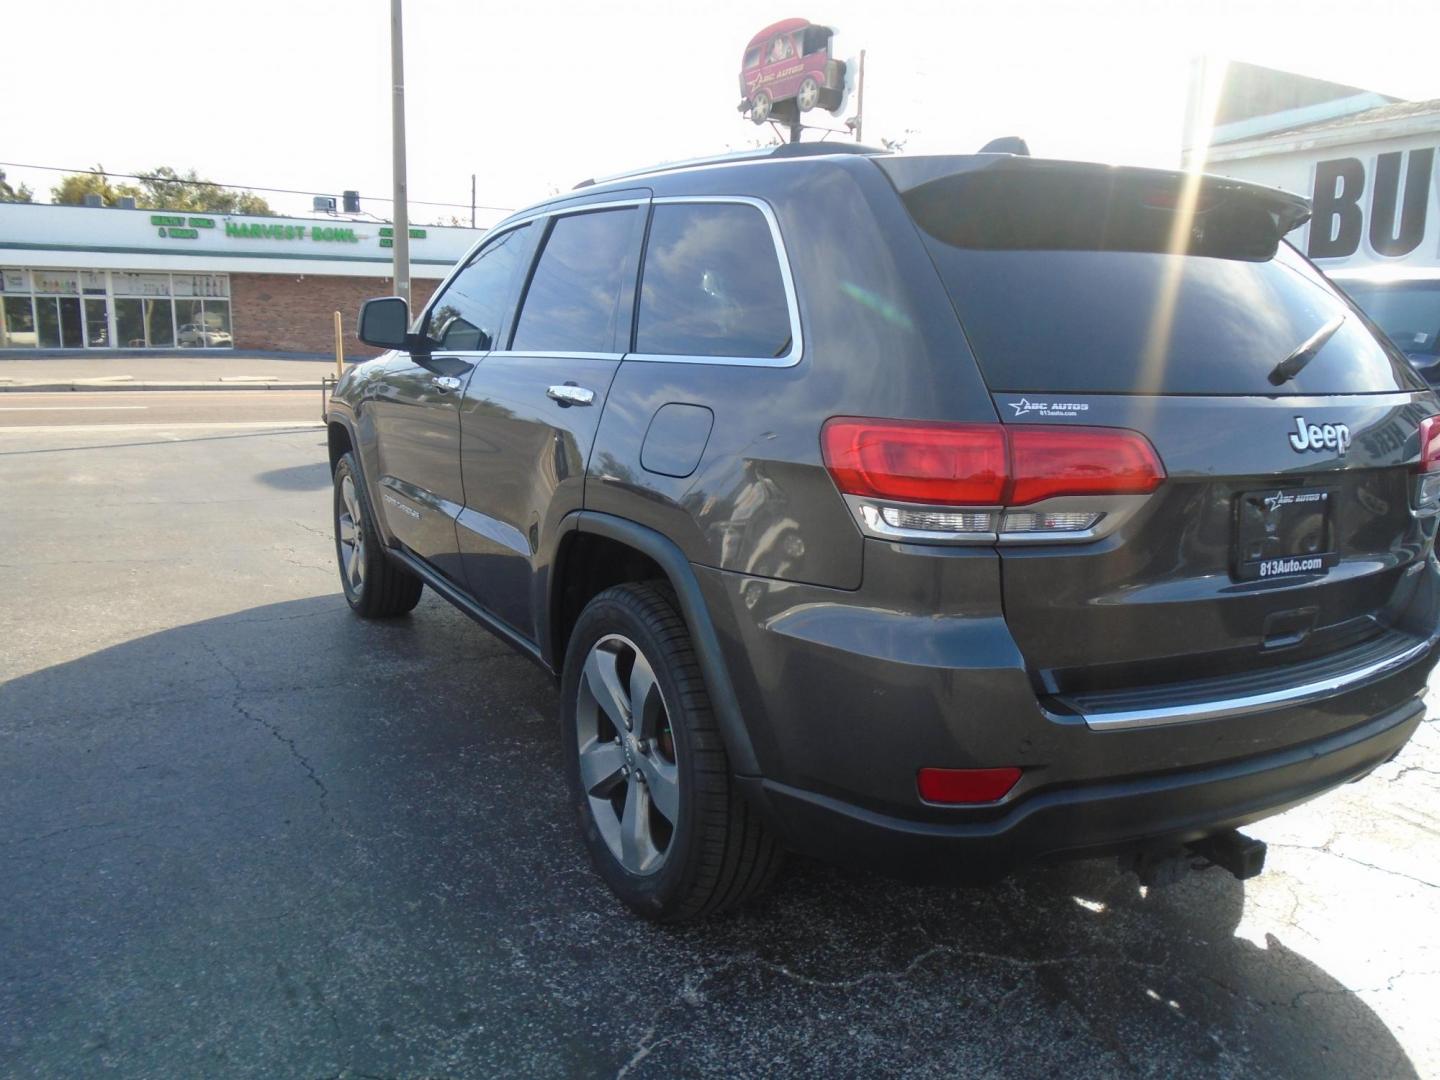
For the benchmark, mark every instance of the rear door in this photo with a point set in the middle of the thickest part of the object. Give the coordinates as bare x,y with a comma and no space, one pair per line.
1287,429
530,412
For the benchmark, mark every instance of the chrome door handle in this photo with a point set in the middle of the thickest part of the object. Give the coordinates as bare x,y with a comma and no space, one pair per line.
445,382
570,394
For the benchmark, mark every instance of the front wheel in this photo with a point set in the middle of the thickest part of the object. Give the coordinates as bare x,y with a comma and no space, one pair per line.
375,586
661,815
760,106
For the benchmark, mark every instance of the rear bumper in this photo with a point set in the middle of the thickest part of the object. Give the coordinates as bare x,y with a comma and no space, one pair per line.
847,694
1088,819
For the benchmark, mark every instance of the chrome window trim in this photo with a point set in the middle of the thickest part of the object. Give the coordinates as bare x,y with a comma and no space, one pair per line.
797,344
535,354
1304,693
510,225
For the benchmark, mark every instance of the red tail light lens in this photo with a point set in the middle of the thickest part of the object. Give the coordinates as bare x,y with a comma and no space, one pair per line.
1050,461
1430,444
957,786
916,461
986,464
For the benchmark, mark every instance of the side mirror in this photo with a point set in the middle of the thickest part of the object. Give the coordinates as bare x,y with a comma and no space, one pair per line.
385,322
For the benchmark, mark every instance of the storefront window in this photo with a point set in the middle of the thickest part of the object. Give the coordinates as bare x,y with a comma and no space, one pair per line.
97,329
71,309
159,323
17,323
129,324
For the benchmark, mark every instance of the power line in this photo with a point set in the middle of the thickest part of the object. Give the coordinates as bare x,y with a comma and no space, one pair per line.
238,187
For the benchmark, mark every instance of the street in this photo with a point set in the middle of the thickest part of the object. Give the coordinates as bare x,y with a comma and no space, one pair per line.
243,833
117,408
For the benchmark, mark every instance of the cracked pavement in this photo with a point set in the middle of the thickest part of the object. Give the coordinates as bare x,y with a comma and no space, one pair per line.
244,834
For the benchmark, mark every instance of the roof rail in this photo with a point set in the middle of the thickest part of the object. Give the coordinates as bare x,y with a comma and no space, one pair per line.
784,150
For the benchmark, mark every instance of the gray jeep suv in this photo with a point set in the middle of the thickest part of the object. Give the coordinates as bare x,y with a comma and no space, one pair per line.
934,514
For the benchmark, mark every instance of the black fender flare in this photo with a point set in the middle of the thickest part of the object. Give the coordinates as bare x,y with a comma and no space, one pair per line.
668,556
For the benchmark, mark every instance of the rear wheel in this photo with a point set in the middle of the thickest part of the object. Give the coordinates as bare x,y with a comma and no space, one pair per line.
809,95
651,783
375,586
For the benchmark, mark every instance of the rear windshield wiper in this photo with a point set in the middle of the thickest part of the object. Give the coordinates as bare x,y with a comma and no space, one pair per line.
1291,366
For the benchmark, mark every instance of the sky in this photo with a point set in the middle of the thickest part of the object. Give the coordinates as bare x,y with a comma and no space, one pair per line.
533,97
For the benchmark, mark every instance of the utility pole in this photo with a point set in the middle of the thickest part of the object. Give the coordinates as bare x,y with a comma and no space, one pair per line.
472,200
860,99
397,139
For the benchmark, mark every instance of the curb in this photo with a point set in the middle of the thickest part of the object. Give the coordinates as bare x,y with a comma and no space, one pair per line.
82,386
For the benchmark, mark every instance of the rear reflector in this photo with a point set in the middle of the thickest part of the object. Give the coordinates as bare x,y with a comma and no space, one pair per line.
966,785
986,464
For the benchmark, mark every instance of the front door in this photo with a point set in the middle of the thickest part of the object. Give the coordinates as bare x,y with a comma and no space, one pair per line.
416,406
531,410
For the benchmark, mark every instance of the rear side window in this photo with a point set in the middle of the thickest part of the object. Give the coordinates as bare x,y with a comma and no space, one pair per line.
712,284
466,316
1069,279
573,302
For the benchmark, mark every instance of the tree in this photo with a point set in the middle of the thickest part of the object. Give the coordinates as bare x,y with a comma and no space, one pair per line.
165,189
160,189
72,189
10,194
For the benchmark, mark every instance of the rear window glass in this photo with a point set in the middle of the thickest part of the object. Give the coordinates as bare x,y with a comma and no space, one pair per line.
711,284
1092,281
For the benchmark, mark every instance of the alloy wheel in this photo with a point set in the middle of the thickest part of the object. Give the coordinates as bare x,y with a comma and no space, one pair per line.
351,533
627,754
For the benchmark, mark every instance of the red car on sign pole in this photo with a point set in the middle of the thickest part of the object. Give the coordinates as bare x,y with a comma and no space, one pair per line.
787,69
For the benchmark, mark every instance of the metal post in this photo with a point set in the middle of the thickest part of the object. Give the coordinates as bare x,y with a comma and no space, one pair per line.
860,99
472,200
339,346
397,120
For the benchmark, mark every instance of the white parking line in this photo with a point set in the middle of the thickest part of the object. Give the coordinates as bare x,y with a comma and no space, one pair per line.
294,425
69,408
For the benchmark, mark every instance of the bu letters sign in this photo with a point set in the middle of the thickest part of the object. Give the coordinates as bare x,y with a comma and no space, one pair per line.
1384,202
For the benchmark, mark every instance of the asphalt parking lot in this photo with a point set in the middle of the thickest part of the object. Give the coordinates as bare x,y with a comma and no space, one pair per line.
245,834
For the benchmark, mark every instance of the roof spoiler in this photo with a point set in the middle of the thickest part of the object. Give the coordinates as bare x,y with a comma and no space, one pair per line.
1007,144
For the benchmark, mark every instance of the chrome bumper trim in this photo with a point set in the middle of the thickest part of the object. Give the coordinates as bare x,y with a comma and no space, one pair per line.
1302,694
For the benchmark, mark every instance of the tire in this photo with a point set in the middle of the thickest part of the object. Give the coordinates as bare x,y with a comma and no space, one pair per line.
760,106
809,92
659,810
375,586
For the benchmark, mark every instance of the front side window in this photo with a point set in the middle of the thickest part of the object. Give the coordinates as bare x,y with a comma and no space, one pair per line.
467,315
573,302
712,284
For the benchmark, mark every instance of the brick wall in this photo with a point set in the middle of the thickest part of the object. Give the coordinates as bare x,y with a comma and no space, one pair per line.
290,313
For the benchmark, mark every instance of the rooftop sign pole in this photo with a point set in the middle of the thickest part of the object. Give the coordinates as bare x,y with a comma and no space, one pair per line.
397,117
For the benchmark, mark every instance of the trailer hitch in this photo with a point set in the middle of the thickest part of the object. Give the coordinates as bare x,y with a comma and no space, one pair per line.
1242,856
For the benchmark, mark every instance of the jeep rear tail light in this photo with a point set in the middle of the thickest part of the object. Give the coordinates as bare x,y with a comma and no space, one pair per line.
915,461
969,477
1430,444
1427,488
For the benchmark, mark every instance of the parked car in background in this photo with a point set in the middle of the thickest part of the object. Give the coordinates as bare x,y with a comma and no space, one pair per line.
861,509
198,335
1404,304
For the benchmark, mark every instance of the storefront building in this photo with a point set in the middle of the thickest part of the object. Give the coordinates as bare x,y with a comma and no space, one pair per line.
1367,163
102,278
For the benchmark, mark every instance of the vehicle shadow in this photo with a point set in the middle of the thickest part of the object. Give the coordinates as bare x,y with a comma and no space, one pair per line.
314,476
286,841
